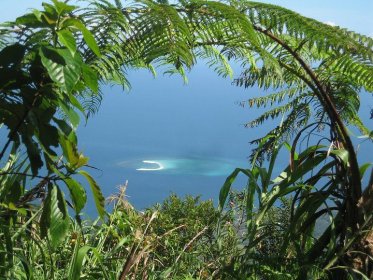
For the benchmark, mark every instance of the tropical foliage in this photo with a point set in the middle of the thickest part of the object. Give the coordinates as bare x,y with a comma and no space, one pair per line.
53,63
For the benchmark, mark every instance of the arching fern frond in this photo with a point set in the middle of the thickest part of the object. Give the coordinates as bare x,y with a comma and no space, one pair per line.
271,99
216,60
298,117
324,37
275,112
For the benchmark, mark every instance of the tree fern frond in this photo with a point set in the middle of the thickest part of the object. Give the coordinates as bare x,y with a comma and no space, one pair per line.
357,71
216,60
91,102
271,99
277,111
294,121
323,36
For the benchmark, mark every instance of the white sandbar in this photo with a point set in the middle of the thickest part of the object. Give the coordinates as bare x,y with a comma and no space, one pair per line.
160,166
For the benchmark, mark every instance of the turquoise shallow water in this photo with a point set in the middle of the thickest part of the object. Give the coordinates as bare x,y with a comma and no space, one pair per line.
181,166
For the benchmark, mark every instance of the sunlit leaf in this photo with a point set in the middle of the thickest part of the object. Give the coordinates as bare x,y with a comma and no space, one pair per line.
62,67
68,40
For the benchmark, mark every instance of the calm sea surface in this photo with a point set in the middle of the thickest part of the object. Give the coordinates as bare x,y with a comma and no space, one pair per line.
190,136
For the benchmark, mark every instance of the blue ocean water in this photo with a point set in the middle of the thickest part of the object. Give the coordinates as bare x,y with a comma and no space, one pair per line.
195,130
192,135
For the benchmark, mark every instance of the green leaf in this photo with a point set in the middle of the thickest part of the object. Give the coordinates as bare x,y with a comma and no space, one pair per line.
75,102
12,55
64,127
70,113
224,191
70,151
33,153
54,220
49,18
78,261
342,154
63,8
77,193
87,35
30,20
90,78
68,40
97,194
364,167
62,67
48,137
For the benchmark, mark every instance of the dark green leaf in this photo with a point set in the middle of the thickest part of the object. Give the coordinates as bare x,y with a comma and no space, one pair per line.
64,127
33,153
12,55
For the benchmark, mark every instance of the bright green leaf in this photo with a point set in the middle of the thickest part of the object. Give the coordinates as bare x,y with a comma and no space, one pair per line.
62,7
87,35
77,193
62,67
54,220
342,154
78,262
68,40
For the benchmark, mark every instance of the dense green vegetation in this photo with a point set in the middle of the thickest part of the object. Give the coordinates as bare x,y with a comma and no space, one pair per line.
53,63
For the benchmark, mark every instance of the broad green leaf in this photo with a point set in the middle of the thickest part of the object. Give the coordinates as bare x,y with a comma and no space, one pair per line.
12,55
97,194
45,17
70,113
48,137
62,67
50,10
77,193
33,153
64,127
252,186
342,154
54,220
30,20
60,219
62,7
69,149
87,35
68,40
